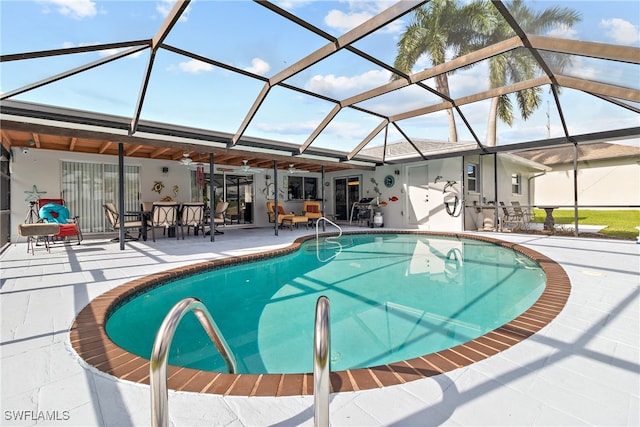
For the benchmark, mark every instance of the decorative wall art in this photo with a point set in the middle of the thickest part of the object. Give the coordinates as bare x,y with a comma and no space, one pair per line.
158,186
34,194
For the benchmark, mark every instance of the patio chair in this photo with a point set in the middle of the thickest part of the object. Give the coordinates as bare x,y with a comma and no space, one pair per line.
192,215
164,215
132,223
525,214
511,217
220,215
56,211
282,214
312,210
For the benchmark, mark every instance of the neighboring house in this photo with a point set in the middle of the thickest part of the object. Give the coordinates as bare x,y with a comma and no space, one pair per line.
608,174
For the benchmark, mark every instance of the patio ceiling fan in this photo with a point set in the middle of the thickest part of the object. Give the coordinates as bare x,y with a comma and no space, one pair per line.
292,169
186,160
246,168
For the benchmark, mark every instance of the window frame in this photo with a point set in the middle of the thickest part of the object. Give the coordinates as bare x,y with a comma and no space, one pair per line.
517,185
473,180
305,183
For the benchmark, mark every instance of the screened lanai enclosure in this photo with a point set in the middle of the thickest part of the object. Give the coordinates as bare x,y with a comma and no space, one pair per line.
326,87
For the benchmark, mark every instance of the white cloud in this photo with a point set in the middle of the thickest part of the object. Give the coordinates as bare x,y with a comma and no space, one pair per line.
347,130
345,21
258,66
292,4
76,9
581,68
358,13
163,7
332,85
194,66
620,31
108,52
563,32
297,128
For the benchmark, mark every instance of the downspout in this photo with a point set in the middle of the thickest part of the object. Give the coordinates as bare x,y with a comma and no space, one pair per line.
529,186
575,187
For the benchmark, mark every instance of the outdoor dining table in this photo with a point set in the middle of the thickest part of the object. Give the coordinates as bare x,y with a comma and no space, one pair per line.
144,217
549,221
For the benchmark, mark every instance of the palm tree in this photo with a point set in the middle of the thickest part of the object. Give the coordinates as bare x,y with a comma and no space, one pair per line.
443,26
435,30
518,65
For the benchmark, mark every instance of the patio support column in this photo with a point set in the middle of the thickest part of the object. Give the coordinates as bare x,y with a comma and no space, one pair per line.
495,191
275,195
324,223
212,199
463,192
575,188
121,194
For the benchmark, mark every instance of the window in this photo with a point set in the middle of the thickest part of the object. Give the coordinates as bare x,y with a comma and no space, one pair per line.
87,186
473,184
235,189
516,183
300,188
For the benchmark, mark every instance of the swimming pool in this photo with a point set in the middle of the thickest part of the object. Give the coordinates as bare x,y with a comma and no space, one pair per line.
88,328
393,297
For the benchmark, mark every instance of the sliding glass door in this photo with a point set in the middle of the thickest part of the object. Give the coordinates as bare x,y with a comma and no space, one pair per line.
347,192
86,187
232,188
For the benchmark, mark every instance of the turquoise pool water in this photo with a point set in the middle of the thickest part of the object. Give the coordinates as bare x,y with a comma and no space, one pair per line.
393,297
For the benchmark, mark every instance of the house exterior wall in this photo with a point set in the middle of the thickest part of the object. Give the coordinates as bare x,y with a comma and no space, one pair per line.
495,187
602,182
42,168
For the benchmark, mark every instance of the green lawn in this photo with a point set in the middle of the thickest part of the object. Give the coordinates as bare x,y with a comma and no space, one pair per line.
620,223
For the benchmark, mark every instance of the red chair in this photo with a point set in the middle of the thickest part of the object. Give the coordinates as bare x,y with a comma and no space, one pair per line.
71,229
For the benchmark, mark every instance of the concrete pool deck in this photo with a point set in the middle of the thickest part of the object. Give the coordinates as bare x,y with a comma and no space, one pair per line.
581,369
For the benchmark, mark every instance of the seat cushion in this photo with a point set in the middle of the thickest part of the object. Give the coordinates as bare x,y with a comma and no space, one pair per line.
67,230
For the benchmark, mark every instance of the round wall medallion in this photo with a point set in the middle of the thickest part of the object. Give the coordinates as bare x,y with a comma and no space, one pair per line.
389,180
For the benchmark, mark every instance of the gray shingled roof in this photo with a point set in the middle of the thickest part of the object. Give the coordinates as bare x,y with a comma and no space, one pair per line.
586,152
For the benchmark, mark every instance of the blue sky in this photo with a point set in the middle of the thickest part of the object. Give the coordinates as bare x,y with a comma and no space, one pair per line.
248,36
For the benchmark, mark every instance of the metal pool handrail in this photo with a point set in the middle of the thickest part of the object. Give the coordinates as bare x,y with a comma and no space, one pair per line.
325,219
321,363
337,246
159,354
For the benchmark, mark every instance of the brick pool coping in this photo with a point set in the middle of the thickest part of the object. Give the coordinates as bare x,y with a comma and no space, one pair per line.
91,342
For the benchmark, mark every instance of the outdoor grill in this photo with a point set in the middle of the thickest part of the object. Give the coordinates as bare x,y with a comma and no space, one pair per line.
364,210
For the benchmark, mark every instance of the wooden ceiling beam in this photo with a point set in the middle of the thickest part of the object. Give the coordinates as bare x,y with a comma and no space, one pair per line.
133,149
105,146
72,144
103,143
6,141
36,139
160,151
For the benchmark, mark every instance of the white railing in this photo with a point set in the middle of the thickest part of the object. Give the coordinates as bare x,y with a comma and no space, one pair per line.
321,363
333,241
160,352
